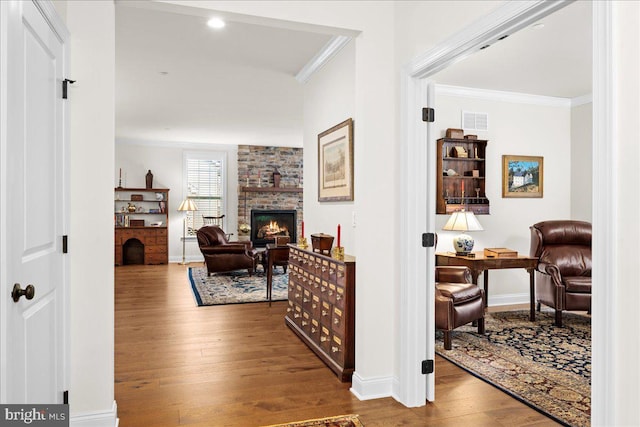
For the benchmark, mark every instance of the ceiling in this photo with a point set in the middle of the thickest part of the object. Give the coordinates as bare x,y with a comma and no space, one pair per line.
179,81
552,61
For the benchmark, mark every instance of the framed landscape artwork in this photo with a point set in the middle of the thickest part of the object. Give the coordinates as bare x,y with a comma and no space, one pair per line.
335,163
522,176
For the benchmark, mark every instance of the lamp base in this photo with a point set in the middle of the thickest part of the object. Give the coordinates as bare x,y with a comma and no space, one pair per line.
463,244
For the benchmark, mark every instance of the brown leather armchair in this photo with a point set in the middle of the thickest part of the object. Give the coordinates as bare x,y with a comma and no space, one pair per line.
458,301
563,274
220,255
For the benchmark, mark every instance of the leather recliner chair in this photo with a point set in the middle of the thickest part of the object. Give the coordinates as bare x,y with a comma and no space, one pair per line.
458,301
220,255
563,274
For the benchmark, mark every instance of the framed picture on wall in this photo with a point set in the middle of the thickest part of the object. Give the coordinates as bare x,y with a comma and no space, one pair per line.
335,163
522,176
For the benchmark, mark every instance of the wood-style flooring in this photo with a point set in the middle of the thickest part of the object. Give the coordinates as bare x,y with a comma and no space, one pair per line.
239,365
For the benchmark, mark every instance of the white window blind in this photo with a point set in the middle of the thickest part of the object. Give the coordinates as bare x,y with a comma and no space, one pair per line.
205,187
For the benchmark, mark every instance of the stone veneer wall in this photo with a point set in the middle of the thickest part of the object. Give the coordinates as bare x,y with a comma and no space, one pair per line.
258,164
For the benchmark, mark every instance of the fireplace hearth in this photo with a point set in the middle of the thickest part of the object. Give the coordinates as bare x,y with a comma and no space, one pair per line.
267,224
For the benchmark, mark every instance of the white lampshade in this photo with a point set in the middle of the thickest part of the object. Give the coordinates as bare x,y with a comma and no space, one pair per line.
463,221
187,205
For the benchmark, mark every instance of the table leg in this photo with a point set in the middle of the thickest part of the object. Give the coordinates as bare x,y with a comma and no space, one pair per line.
532,295
269,279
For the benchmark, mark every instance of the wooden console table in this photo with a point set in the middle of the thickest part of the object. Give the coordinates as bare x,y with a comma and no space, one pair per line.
482,264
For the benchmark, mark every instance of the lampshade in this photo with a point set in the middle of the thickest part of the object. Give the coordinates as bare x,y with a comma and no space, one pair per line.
463,221
187,205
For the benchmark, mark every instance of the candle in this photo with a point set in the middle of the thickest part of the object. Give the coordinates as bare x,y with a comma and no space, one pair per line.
303,229
338,235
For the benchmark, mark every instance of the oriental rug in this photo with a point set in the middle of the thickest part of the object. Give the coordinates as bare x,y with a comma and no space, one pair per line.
545,367
235,287
341,421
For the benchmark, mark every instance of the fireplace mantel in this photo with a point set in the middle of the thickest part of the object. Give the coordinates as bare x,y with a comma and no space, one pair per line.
271,189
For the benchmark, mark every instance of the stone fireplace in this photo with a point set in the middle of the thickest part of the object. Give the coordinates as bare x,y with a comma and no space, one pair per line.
267,224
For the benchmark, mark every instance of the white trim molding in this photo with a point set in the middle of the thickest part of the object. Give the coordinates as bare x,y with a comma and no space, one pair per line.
97,418
370,388
327,52
582,100
499,95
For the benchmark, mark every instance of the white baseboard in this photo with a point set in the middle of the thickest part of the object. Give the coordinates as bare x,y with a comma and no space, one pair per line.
190,259
96,419
371,388
508,299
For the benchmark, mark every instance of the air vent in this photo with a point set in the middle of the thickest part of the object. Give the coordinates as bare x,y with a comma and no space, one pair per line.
475,121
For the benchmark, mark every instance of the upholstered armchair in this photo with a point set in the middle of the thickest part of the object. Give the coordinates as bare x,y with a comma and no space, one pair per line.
220,255
458,301
563,275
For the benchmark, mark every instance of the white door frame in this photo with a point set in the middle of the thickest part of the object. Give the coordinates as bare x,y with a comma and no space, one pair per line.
48,12
416,308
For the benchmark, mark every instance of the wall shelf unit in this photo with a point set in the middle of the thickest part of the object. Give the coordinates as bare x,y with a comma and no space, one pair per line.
140,220
461,168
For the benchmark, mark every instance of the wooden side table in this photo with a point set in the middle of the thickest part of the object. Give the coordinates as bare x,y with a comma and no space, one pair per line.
482,264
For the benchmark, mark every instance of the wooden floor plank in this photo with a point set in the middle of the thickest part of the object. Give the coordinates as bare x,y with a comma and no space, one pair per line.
177,364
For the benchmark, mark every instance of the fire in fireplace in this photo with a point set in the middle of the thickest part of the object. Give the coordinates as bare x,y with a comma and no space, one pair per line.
267,224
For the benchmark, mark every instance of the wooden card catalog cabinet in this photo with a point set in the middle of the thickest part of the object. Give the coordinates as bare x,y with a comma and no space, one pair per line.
321,307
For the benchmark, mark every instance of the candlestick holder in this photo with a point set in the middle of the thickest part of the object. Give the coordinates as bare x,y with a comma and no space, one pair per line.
302,243
338,253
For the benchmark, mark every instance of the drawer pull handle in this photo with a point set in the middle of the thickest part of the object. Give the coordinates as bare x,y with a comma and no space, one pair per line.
296,315
324,312
335,349
338,297
313,330
305,299
297,296
324,268
304,323
323,338
336,321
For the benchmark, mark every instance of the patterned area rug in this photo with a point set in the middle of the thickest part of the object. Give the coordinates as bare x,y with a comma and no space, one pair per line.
546,367
235,287
341,421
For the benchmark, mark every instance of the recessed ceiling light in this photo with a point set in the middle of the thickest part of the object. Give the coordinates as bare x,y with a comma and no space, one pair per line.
215,23
537,26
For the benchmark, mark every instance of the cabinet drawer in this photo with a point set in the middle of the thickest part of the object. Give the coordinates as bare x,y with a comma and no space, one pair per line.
325,313
341,275
325,338
305,322
336,349
331,293
306,299
314,331
155,249
340,297
297,295
297,315
316,307
337,320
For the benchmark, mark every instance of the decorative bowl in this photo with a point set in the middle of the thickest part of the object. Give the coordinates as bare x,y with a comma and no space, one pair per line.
322,243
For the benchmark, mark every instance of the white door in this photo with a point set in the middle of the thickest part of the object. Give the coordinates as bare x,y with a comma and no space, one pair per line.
33,206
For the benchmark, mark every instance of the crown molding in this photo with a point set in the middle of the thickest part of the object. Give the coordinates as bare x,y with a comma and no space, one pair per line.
327,52
498,95
582,100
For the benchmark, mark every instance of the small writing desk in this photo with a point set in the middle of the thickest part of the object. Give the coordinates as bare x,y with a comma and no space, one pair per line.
482,264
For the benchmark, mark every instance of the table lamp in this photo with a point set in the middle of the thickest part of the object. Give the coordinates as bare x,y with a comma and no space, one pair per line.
187,205
463,221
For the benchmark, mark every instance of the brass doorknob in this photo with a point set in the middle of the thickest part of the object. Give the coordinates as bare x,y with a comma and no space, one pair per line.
29,292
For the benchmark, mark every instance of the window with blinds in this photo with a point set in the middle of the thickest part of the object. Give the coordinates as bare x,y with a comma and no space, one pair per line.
205,184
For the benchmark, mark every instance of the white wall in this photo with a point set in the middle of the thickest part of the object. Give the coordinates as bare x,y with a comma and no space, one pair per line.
167,165
91,101
581,161
514,129
329,99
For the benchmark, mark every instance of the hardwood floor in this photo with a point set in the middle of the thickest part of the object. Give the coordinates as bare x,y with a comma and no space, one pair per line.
239,365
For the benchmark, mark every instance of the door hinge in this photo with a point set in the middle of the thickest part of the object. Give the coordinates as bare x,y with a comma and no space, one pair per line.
427,367
428,240
65,245
65,397
65,82
428,115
